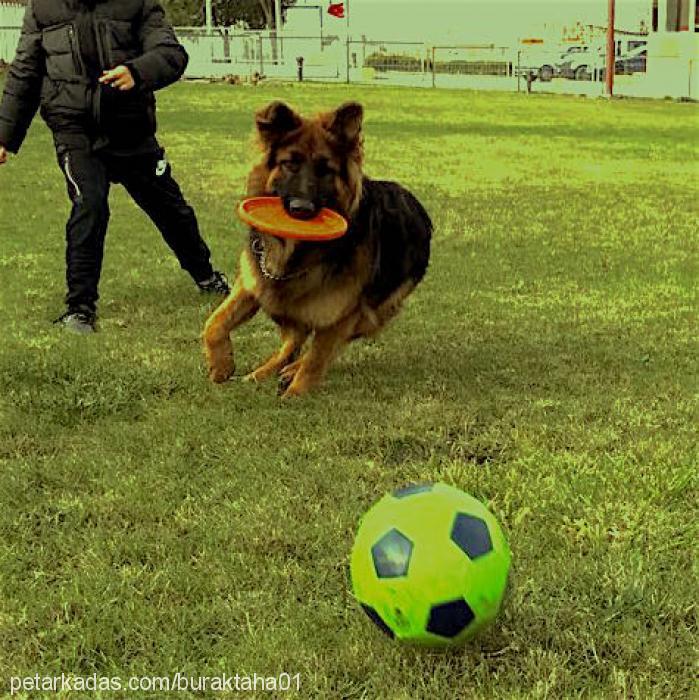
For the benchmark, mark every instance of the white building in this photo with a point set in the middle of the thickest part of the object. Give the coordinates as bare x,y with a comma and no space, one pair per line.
673,50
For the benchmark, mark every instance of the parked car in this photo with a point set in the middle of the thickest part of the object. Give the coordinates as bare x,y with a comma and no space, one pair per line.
546,72
550,70
578,65
633,61
543,64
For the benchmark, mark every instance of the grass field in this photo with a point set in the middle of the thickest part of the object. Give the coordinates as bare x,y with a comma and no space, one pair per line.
152,523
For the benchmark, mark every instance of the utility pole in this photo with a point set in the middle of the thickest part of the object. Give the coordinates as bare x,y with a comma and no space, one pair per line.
611,49
209,17
347,39
278,16
276,48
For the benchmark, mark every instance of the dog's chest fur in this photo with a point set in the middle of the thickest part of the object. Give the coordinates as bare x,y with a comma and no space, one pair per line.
318,297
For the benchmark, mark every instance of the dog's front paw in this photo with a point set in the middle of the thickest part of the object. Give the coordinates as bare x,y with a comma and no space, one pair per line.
219,360
286,377
222,371
260,374
301,384
254,377
287,374
293,390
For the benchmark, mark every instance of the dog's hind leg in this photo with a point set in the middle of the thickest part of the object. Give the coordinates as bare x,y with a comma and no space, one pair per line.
293,338
311,368
238,307
288,372
373,321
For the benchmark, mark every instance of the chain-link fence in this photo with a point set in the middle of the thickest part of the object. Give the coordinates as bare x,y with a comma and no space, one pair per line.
248,54
331,58
397,63
484,67
242,56
305,57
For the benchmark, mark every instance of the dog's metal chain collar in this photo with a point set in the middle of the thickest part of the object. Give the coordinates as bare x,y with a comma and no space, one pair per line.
257,245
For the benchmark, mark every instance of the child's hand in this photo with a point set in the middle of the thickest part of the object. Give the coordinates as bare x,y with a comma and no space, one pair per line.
119,77
3,155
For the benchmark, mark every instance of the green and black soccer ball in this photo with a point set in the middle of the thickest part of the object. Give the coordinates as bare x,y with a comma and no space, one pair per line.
429,565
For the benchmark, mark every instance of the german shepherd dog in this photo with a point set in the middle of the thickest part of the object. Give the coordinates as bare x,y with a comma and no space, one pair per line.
333,291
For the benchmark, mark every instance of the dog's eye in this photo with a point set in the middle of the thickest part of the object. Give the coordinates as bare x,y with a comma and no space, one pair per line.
293,166
324,168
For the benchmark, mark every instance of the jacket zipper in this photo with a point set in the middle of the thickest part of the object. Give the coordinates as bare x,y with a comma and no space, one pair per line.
104,59
98,26
74,50
69,175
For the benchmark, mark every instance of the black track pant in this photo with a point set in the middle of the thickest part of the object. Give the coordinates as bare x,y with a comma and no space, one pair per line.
148,180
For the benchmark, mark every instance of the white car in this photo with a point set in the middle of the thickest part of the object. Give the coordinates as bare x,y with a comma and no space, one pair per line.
579,64
547,66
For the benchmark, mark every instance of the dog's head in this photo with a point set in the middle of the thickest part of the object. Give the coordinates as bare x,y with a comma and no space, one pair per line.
310,163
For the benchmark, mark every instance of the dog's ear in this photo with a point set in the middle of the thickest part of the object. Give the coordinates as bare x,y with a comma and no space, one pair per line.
346,124
275,121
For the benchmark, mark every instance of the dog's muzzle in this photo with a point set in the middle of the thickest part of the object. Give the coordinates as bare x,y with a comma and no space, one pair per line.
299,208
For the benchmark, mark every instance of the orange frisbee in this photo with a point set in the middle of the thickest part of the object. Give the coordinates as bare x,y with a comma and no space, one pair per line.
267,215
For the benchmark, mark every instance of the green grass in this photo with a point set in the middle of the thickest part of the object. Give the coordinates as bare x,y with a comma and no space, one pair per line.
152,523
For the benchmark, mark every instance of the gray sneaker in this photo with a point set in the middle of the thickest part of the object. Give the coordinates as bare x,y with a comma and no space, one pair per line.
77,321
216,284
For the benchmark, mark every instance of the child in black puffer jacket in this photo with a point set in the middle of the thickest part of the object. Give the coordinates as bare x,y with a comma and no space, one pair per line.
92,67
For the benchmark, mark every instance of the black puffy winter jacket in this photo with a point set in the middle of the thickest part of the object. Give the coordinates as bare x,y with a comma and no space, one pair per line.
49,71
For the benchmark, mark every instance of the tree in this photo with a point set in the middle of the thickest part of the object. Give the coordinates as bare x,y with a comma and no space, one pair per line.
184,12
258,14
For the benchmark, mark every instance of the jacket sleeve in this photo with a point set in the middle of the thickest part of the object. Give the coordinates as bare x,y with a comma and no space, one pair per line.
22,94
163,59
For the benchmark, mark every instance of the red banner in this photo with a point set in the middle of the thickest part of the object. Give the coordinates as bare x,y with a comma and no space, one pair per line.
337,9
